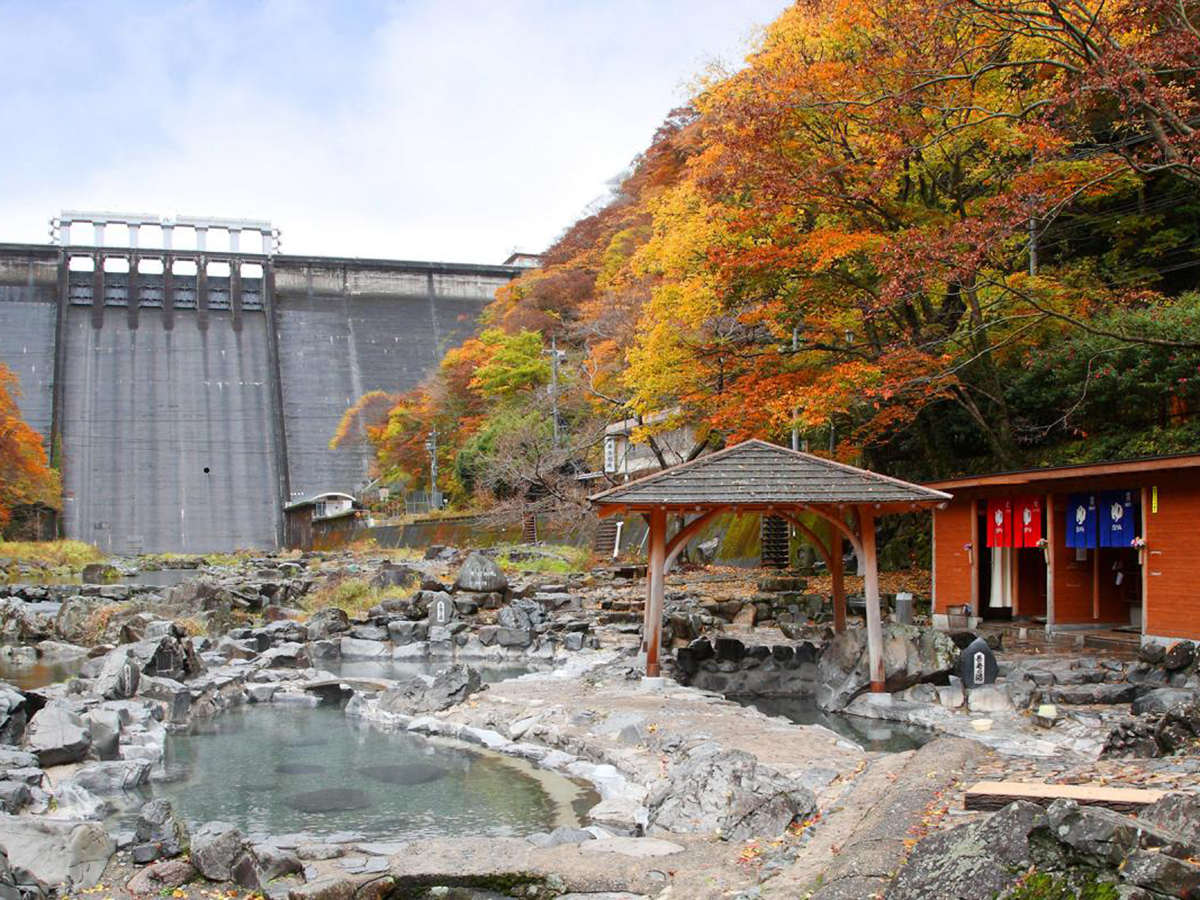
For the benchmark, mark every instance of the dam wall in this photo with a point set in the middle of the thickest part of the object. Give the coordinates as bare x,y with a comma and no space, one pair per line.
192,395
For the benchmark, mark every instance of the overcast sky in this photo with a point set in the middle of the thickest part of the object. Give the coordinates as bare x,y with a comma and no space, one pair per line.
417,129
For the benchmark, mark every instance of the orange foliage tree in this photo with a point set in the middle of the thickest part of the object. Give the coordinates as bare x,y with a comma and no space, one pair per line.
25,475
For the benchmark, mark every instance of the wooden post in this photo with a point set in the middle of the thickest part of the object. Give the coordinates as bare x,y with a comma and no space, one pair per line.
1051,561
1096,584
866,524
657,558
839,579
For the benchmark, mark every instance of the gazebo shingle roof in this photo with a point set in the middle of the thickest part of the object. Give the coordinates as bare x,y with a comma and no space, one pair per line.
757,474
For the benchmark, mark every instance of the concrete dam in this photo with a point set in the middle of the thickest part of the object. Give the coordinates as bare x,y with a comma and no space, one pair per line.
188,395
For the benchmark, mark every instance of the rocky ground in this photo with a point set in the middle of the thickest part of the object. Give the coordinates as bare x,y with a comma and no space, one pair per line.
696,796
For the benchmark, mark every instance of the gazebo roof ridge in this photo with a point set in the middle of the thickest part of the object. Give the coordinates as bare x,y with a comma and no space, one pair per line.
810,481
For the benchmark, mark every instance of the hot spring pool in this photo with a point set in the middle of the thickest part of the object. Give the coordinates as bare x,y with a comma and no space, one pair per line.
316,771
871,734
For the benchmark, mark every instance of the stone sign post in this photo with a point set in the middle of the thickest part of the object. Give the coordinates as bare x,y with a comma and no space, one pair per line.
442,611
978,666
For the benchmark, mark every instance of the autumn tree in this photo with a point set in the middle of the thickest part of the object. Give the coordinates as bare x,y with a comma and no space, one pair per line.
25,475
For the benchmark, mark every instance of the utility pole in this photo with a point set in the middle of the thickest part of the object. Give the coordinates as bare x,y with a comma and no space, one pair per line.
795,411
555,356
435,497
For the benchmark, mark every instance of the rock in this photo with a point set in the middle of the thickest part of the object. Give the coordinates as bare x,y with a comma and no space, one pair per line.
1178,656
991,698
327,622
99,573
57,852
971,862
392,575
1074,836
636,848
333,887
216,849
119,676
402,631
512,637
911,655
275,862
1092,694
113,775
1176,812
57,735
159,827
415,695
1160,700
514,617
14,796
353,648
162,876
480,575
747,615
166,657
13,714
1164,875
731,793
287,655
559,836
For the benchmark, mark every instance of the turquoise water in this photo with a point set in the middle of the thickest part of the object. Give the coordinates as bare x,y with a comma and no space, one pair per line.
315,771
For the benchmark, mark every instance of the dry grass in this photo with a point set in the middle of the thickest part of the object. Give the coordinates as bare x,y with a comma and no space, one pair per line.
66,554
96,625
564,561
355,596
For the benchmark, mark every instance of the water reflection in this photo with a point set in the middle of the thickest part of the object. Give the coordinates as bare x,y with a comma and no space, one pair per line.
873,734
313,770
30,674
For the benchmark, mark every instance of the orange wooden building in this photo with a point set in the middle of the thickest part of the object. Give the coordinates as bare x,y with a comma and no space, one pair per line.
1113,544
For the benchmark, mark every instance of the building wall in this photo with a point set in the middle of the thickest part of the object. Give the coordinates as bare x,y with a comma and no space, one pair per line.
28,313
952,562
1172,557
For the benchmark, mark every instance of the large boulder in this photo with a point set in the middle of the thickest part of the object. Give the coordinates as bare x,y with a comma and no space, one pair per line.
480,575
119,676
1162,699
1176,812
418,695
56,852
217,849
971,862
56,734
159,833
911,655
166,657
327,622
114,775
162,876
13,713
731,793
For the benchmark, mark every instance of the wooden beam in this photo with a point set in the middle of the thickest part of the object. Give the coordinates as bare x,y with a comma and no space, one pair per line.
1096,584
998,794
839,580
654,576
866,522
677,543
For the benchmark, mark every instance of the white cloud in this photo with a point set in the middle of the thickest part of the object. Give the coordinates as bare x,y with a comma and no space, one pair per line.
436,129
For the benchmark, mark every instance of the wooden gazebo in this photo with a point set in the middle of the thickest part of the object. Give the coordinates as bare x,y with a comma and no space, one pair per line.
757,477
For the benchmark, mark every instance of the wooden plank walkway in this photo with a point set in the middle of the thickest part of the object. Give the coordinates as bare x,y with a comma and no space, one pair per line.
990,795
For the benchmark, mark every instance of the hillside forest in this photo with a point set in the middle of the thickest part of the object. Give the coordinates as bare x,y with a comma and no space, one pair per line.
932,236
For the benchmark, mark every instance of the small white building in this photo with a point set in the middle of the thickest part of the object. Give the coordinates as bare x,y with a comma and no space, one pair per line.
625,457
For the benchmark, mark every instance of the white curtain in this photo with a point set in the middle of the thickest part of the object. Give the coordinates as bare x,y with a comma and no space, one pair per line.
1001,593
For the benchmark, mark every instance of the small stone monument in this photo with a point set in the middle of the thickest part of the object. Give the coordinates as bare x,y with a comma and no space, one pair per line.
442,611
978,667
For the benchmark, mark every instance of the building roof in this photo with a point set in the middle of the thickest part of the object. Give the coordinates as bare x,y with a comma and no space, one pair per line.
315,498
1076,471
755,474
